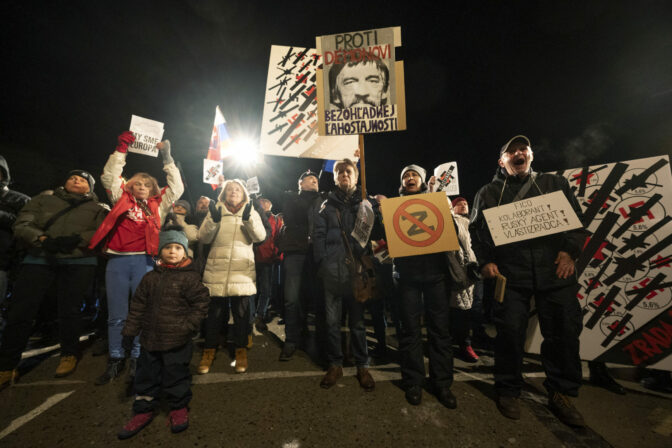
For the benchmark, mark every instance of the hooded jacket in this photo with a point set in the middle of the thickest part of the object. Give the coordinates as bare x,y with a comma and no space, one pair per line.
82,220
11,203
530,263
167,307
230,270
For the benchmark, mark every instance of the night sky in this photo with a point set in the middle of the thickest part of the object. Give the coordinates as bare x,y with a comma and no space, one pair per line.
588,82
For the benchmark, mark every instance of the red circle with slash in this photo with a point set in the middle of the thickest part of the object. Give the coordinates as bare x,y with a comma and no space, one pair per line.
402,211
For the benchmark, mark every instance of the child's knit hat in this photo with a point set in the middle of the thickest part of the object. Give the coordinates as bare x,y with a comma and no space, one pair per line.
173,234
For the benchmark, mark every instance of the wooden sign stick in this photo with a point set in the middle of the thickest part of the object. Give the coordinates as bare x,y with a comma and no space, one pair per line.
362,166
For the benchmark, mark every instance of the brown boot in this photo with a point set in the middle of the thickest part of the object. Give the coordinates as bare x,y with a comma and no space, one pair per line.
365,379
7,377
66,366
241,360
334,374
206,360
249,341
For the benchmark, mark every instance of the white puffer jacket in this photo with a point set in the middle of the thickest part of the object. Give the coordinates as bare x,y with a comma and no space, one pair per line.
230,269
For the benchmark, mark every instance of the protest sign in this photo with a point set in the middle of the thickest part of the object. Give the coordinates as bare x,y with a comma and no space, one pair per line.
363,223
253,185
360,87
148,133
531,218
446,178
211,171
625,269
419,224
289,123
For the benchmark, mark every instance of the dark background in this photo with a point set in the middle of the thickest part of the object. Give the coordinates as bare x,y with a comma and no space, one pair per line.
588,82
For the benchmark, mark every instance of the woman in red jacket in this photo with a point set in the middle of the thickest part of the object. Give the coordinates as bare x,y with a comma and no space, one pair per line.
130,238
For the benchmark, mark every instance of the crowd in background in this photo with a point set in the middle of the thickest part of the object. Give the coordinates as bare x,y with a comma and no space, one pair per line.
158,272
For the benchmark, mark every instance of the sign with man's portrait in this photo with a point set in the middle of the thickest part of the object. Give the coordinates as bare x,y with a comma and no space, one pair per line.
360,88
290,121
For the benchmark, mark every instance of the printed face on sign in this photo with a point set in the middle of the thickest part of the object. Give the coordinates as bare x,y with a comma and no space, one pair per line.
360,84
517,159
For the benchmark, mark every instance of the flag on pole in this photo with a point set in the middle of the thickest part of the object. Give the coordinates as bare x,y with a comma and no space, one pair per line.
220,140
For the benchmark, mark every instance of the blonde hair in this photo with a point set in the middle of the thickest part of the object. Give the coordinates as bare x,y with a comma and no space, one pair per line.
222,195
142,176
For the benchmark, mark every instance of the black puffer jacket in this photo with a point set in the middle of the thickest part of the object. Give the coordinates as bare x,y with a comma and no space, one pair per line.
530,263
10,203
298,214
167,307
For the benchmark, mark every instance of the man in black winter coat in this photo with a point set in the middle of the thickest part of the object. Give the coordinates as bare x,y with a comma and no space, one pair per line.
335,222
542,268
10,203
295,242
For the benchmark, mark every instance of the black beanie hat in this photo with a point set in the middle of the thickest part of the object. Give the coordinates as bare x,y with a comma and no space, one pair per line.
81,173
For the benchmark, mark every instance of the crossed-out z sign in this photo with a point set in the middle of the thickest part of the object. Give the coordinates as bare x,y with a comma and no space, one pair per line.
419,224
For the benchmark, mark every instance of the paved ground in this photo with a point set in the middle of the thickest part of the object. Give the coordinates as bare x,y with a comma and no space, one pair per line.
281,405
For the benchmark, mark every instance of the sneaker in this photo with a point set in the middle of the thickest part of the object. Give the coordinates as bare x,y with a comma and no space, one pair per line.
414,395
365,379
114,368
206,360
7,377
287,352
135,424
66,366
563,408
334,373
468,354
509,407
179,420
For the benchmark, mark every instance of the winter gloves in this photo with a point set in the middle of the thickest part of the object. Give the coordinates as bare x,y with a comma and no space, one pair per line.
62,244
125,138
246,211
164,149
215,213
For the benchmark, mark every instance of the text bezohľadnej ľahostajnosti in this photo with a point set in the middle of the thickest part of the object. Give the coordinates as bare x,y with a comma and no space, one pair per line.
358,120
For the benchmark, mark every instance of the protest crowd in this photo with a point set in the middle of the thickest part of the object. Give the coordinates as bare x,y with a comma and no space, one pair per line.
163,275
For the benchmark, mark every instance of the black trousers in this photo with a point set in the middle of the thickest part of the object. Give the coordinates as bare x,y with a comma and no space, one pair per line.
560,322
435,308
218,317
168,371
34,280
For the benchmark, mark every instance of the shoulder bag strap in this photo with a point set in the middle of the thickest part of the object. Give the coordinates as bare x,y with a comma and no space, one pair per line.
525,188
62,212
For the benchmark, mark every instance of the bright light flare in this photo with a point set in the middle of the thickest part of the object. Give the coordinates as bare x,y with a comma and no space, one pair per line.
244,151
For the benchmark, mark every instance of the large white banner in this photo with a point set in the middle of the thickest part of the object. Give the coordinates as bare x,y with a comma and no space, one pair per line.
625,270
289,125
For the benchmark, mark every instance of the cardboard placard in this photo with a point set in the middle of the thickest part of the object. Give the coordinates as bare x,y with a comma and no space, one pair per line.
446,178
289,123
360,87
148,133
211,171
419,224
531,218
253,185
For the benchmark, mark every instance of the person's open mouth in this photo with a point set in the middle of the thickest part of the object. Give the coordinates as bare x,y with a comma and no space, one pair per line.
519,161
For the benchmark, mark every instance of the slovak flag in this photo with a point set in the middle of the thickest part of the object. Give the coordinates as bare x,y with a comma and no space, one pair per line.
220,140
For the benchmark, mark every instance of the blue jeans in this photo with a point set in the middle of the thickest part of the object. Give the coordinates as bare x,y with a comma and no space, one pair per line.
122,276
338,292
259,306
